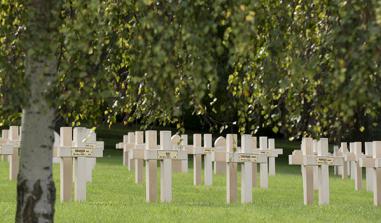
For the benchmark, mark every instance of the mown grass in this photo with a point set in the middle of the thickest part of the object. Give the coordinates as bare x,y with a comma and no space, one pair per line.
114,197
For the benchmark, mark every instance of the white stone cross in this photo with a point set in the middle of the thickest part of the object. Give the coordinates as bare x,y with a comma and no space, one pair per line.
125,146
369,170
315,168
353,157
83,149
267,147
184,163
165,154
322,160
136,154
272,156
335,168
219,157
208,164
374,162
246,156
135,148
307,171
343,170
197,151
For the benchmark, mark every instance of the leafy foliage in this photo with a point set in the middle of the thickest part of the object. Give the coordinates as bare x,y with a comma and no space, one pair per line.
298,67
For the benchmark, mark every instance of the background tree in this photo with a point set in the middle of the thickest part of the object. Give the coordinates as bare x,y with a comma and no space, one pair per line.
89,62
51,56
297,67
306,68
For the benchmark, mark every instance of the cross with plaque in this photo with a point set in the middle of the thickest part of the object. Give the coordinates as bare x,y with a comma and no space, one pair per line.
136,151
269,151
11,148
197,151
129,144
272,156
296,158
183,144
208,164
335,168
80,150
369,170
343,170
121,146
125,146
246,156
165,154
219,157
322,160
315,168
136,155
353,157
91,139
374,163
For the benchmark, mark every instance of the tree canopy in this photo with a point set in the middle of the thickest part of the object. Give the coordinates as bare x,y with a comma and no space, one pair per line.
297,67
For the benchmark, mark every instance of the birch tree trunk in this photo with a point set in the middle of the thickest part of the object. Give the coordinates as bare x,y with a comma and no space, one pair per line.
36,193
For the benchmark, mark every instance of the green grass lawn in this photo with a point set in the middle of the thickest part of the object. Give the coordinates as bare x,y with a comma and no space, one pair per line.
114,197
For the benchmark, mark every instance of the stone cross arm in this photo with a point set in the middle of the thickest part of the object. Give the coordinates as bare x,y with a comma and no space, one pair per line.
160,154
270,152
195,150
370,162
137,151
131,146
238,157
93,150
9,148
341,153
119,145
297,158
352,156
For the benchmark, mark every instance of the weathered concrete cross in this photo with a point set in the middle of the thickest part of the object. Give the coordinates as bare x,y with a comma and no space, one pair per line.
308,160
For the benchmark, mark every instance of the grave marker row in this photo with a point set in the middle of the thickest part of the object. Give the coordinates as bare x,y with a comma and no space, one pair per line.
213,156
77,156
308,160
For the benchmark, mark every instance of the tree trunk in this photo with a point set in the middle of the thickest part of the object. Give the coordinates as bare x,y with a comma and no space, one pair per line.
36,193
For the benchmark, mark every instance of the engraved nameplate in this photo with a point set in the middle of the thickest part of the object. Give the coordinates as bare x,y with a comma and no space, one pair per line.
167,154
325,160
208,150
81,152
247,158
265,152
